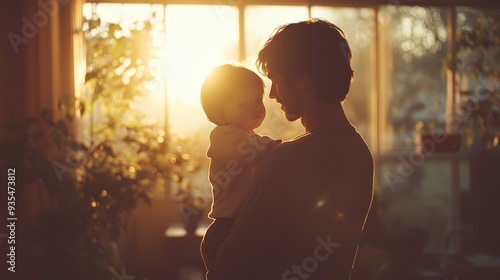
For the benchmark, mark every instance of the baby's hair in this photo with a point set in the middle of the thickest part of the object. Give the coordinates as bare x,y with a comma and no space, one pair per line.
222,83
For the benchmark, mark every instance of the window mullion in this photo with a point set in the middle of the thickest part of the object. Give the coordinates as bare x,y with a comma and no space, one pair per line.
241,31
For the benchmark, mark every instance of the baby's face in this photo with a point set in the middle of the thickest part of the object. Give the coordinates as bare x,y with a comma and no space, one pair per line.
245,110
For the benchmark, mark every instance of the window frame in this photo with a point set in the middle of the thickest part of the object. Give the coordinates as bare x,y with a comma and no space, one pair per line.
377,105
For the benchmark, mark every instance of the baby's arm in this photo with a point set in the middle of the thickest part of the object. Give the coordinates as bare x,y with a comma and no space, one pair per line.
258,149
269,143
232,144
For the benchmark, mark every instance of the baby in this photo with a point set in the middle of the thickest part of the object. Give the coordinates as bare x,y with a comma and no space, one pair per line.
231,97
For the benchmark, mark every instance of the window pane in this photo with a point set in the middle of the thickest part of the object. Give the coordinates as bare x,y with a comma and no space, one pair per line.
418,196
122,13
413,50
357,25
198,39
417,190
478,65
152,104
260,22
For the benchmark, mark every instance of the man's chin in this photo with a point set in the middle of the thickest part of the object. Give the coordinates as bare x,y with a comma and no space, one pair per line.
291,117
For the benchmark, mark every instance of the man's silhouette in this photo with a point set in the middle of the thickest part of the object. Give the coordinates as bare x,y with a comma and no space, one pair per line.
311,196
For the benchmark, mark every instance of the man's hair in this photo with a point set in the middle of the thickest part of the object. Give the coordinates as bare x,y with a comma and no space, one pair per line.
222,83
316,48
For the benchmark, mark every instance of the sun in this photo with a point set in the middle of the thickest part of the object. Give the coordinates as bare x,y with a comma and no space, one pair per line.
188,41
197,39
184,71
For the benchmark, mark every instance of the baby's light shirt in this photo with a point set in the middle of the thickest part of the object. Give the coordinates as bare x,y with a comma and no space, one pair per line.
233,152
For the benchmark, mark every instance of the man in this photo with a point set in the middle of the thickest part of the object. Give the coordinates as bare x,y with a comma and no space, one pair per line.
311,195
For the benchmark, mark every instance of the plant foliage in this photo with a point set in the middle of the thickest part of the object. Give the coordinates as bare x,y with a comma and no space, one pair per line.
92,184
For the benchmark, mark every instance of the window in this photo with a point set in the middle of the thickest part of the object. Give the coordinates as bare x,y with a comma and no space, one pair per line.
197,39
257,31
413,78
358,25
128,15
400,82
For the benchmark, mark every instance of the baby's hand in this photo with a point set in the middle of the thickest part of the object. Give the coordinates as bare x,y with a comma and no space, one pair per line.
272,142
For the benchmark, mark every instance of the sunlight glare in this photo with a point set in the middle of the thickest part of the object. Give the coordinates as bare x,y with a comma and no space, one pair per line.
198,39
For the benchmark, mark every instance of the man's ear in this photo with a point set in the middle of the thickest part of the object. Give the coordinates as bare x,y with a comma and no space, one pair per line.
303,81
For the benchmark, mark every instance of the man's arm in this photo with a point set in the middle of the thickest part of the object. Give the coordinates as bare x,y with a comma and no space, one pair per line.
260,225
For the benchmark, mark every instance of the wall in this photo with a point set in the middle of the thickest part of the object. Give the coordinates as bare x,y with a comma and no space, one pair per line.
11,65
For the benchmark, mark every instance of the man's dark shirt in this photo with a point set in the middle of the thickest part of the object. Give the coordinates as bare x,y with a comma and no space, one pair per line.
304,217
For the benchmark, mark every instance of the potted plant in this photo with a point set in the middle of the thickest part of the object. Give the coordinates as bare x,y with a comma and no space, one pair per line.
89,191
476,60
90,184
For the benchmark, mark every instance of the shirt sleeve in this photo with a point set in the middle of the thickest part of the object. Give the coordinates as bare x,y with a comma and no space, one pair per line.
229,143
